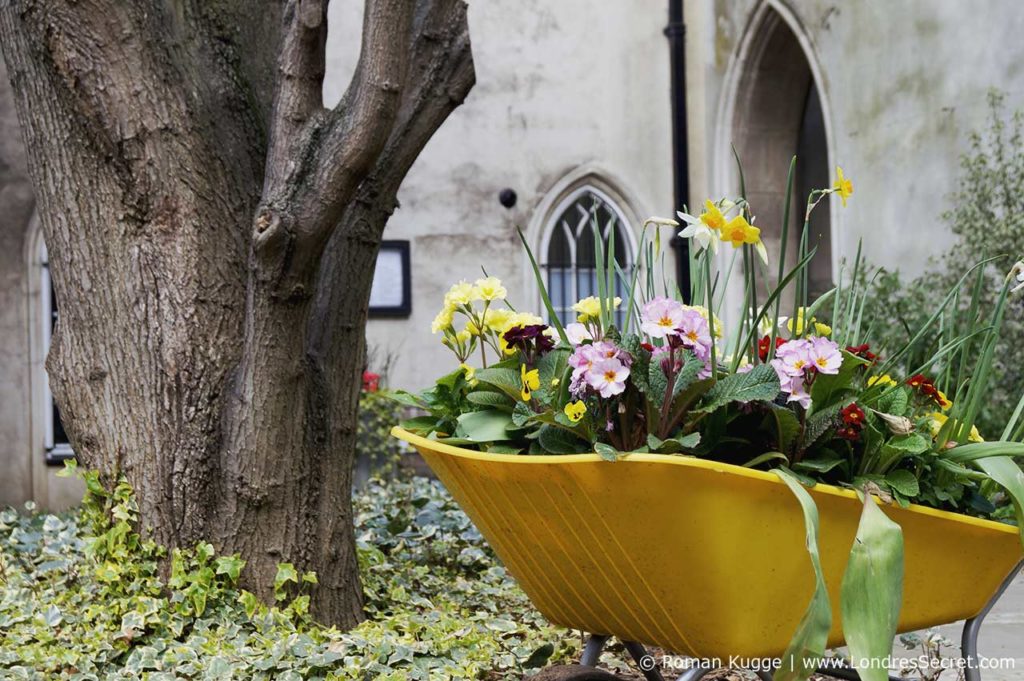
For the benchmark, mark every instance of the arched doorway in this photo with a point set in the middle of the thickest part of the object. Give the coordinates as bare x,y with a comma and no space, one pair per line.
777,113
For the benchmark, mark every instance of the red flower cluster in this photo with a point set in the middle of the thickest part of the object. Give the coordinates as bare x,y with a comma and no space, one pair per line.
764,346
926,387
862,351
853,422
371,382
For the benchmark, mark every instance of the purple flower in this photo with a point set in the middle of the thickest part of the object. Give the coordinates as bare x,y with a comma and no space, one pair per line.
824,355
609,350
608,377
577,333
695,333
660,317
521,337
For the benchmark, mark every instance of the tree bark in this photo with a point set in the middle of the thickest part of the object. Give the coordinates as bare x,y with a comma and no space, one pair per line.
212,249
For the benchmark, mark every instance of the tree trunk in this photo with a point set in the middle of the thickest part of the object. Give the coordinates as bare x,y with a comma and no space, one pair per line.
212,249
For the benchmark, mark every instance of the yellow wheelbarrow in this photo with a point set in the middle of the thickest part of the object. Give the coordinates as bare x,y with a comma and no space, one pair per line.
702,558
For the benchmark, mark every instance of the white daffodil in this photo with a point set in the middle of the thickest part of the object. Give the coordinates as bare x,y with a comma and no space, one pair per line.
1018,271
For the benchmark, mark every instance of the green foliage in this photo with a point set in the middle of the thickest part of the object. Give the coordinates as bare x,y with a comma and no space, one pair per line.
378,414
987,219
82,597
872,591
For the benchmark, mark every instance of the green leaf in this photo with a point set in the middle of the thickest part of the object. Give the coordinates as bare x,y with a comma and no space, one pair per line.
829,389
819,423
286,572
657,384
817,465
230,566
787,427
673,445
872,592
489,398
767,456
759,384
506,380
903,482
1008,475
488,425
606,452
310,578
557,440
540,656
808,644
552,365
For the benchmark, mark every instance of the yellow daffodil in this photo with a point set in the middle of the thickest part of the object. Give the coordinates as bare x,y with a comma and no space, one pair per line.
939,419
843,186
796,326
884,381
459,294
575,410
590,308
443,320
712,216
738,232
530,382
489,289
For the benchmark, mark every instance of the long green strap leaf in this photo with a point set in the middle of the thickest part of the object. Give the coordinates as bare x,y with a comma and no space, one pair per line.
1010,477
807,647
872,592
552,315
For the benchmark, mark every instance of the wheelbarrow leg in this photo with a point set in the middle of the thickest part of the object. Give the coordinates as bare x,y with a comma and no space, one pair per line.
646,663
969,642
592,651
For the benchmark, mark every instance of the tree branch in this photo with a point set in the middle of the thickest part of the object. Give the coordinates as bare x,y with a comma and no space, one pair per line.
333,154
300,77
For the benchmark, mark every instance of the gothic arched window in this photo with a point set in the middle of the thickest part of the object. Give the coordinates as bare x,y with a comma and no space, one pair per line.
569,253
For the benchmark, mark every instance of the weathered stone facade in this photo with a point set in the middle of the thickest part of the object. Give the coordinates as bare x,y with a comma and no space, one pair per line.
570,94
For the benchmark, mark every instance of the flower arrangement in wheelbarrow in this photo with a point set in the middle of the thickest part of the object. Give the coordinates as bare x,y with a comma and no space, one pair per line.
897,489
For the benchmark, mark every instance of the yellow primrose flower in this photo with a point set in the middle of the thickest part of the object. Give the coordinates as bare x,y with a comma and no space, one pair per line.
499,320
463,336
469,371
712,216
590,308
944,402
524,319
530,380
796,326
555,382
843,186
459,294
704,313
575,410
489,289
443,320
884,381
939,419
472,329
821,329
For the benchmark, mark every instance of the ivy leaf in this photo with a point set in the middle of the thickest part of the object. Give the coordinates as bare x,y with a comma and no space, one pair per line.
539,656
286,572
230,566
872,592
759,384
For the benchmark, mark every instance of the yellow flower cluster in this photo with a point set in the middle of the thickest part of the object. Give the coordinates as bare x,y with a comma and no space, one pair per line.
485,324
589,309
